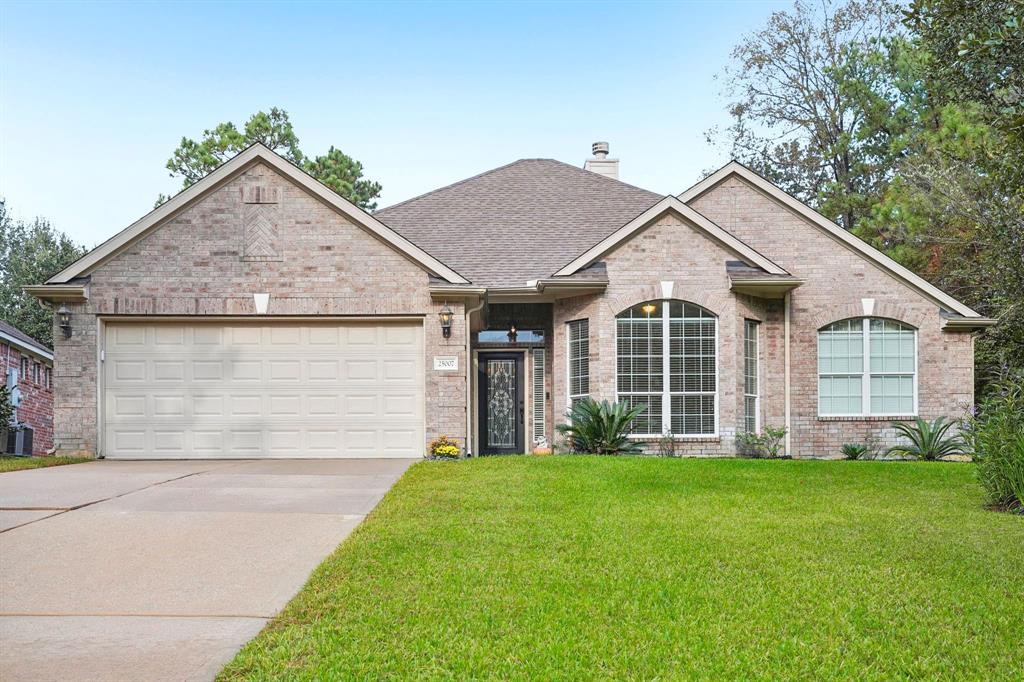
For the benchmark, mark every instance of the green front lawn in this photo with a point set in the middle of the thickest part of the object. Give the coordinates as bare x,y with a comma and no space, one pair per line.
628,568
20,463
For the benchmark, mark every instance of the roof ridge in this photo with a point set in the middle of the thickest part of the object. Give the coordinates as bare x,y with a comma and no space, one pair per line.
508,165
603,177
454,184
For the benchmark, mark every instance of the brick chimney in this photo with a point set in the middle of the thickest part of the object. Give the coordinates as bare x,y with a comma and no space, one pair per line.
600,163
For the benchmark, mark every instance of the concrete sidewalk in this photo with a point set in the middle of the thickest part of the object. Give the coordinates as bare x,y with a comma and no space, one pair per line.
163,570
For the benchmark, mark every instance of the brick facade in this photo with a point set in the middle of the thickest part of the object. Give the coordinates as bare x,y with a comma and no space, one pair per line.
36,407
203,262
836,279
261,233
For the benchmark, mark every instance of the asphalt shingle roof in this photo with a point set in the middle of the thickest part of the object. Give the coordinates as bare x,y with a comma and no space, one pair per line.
22,337
519,222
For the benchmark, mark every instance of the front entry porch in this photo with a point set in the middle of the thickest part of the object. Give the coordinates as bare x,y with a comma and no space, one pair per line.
512,382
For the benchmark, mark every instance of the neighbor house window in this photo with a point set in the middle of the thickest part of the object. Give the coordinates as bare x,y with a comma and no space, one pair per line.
751,394
36,376
667,362
579,360
48,374
24,369
867,367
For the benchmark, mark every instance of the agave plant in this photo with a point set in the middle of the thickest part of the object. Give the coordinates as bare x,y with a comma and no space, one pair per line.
600,428
854,450
928,440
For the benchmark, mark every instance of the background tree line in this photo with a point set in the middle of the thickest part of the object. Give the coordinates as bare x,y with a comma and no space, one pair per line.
904,123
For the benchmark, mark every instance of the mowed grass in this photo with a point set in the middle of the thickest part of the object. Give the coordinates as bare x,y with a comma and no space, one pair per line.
21,463
627,568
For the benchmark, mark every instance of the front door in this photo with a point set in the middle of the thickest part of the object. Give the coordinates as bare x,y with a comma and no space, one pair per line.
500,383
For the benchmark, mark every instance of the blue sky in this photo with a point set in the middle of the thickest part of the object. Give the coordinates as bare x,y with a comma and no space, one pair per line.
95,97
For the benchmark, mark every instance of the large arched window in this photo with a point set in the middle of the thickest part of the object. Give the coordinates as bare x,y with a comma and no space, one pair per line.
667,361
867,367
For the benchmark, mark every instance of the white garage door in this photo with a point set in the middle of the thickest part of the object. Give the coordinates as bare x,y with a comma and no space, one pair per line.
291,389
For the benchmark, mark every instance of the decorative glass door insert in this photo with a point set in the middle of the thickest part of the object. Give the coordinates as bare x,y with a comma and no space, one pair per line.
501,403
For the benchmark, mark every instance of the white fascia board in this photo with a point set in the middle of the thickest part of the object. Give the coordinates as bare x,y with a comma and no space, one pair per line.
833,230
71,293
670,203
256,152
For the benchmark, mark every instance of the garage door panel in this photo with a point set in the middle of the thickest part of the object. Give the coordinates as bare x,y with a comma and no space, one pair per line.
246,390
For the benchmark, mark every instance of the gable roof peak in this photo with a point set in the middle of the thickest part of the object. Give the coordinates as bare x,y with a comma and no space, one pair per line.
228,170
766,187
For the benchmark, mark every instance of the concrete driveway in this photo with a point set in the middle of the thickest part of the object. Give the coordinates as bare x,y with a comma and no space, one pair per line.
162,570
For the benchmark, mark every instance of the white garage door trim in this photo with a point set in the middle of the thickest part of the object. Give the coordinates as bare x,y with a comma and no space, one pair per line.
242,387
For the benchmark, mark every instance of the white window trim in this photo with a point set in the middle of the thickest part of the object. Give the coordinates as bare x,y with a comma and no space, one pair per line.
539,419
666,408
757,359
569,395
866,374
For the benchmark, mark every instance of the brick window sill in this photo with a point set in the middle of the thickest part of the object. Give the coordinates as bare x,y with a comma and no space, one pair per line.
869,418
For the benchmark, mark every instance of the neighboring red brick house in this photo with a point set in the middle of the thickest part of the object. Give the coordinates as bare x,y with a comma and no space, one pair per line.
259,314
32,363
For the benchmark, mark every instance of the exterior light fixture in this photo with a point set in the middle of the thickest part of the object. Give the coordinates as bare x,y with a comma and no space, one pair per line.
512,333
648,309
64,320
446,321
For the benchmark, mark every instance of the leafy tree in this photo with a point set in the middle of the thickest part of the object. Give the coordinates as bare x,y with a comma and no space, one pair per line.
813,104
30,253
192,160
977,50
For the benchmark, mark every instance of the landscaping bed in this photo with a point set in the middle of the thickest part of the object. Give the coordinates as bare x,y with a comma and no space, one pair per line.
644,568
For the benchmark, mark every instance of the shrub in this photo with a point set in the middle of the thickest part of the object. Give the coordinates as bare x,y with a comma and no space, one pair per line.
443,447
6,415
996,435
600,428
854,450
928,440
748,444
668,446
767,444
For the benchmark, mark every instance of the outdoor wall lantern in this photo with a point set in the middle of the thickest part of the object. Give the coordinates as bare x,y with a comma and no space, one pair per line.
64,320
446,321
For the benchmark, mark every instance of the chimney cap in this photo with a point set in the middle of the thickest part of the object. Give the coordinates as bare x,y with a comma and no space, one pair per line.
600,149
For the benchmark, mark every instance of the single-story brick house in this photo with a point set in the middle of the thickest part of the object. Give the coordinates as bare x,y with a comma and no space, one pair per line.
259,314
28,375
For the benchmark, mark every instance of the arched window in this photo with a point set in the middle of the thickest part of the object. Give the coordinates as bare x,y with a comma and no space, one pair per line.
667,361
867,366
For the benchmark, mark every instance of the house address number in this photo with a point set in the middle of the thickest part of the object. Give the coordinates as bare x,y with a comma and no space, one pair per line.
446,363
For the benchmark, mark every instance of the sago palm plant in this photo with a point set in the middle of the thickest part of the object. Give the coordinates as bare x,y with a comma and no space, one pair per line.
600,428
928,440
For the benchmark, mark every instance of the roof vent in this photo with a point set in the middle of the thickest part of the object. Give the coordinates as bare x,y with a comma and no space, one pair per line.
600,163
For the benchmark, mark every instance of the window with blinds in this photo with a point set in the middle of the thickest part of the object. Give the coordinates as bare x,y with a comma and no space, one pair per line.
751,379
667,362
867,366
579,359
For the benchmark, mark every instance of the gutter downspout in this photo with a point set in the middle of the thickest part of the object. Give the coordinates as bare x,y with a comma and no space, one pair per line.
789,425
469,377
